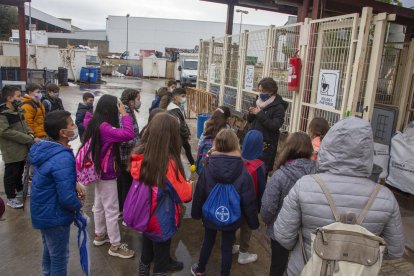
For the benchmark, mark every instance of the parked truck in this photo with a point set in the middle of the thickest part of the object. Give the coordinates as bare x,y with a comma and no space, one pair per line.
187,68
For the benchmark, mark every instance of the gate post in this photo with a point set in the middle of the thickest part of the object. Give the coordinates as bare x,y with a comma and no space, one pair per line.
200,53
375,63
210,59
242,68
223,69
268,52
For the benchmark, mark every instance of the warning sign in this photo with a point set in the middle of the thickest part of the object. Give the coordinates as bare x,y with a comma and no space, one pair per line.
249,77
328,88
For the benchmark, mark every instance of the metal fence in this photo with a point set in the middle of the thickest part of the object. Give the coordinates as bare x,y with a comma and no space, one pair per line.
336,52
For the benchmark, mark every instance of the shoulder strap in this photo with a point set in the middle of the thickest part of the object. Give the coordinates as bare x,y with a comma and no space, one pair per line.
371,200
328,197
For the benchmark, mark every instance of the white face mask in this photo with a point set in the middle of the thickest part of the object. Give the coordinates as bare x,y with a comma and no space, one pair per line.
75,134
183,101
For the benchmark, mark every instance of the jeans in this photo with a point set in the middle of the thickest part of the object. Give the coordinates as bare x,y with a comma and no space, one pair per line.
13,178
124,182
55,250
159,252
280,256
226,248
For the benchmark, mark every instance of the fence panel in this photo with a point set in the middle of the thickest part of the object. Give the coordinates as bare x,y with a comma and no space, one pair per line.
329,48
203,64
232,71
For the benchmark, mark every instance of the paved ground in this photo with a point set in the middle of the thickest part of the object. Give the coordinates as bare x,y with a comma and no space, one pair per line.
21,246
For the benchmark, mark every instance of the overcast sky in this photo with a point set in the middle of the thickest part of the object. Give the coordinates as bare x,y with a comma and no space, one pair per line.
91,14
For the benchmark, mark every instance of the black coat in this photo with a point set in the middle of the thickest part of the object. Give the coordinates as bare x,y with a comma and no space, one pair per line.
80,115
226,170
268,121
52,104
184,129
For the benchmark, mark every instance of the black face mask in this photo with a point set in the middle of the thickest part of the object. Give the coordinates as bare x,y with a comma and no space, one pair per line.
17,103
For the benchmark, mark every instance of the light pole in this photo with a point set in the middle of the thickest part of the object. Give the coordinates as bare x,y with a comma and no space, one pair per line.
127,17
241,18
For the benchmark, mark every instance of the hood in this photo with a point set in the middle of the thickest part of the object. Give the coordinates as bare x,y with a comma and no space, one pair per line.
172,106
298,168
82,106
226,168
279,100
348,149
42,151
136,161
252,145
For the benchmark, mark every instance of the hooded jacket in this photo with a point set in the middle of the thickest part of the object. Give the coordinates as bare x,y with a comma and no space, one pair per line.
52,104
80,116
164,223
229,170
177,112
53,199
278,188
345,164
110,136
14,135
35,116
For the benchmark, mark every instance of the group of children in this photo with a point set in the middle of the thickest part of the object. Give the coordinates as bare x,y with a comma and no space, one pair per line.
109,134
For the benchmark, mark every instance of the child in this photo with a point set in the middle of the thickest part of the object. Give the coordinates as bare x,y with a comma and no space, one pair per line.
167,98
102,136
217,122
86,106
151,115
157,164
318,128
131,100
252,151
224,166
179,98
293,163
51,101
54,200
34,111
161,92
15,140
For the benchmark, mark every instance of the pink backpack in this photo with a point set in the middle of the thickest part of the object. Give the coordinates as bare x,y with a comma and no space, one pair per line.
85,168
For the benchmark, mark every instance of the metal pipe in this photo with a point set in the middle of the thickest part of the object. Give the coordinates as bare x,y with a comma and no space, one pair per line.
127,17
230,18
30,21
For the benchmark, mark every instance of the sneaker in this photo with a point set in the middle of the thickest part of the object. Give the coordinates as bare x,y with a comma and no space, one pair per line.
246,258
100,240
194,271
236,249
121,251
175,265
124,224
14,203
19,194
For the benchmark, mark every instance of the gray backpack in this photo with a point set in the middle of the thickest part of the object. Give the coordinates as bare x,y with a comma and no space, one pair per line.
342,248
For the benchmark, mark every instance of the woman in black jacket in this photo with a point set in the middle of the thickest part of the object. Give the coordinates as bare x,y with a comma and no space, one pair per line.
267,115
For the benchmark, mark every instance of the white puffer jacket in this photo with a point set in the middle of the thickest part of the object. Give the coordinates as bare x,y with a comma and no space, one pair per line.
345,163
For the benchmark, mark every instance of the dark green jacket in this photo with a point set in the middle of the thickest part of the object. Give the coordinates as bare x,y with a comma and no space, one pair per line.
14,135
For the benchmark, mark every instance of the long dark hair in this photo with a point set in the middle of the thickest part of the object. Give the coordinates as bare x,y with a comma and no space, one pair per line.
160,143
217,122
298,145
106,111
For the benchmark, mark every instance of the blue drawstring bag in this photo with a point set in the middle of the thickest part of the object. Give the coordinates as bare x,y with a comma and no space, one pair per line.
222,207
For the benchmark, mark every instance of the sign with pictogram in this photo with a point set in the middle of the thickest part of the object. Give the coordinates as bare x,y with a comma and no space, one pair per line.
328,88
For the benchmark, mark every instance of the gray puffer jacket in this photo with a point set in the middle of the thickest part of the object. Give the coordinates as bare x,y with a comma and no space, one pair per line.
278,187
345,163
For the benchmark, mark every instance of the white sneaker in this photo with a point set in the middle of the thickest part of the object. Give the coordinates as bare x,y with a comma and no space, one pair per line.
246,258
236,249
14,203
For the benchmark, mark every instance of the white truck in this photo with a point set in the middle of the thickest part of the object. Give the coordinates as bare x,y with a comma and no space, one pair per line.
187,68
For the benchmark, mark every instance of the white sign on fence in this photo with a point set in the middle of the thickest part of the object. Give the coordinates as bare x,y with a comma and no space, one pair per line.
213,72
249,77
328,88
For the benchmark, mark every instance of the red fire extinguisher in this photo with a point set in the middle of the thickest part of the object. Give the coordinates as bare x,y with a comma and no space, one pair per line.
294,73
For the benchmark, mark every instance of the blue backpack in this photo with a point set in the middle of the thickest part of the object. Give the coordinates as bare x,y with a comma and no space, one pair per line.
205,145
222,207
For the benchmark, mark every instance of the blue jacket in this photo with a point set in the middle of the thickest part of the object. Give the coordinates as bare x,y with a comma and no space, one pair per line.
227,170
53,199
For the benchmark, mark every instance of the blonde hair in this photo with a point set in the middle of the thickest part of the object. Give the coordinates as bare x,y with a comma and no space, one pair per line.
226,141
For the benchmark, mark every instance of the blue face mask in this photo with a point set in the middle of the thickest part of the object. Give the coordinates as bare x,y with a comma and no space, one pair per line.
264,96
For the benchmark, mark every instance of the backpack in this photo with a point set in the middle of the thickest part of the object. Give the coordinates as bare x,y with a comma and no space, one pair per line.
202,152
137,206
342,248
222,207
252,166
85,168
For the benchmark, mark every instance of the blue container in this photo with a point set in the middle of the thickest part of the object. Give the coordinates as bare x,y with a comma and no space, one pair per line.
93,75
84,74
201,119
